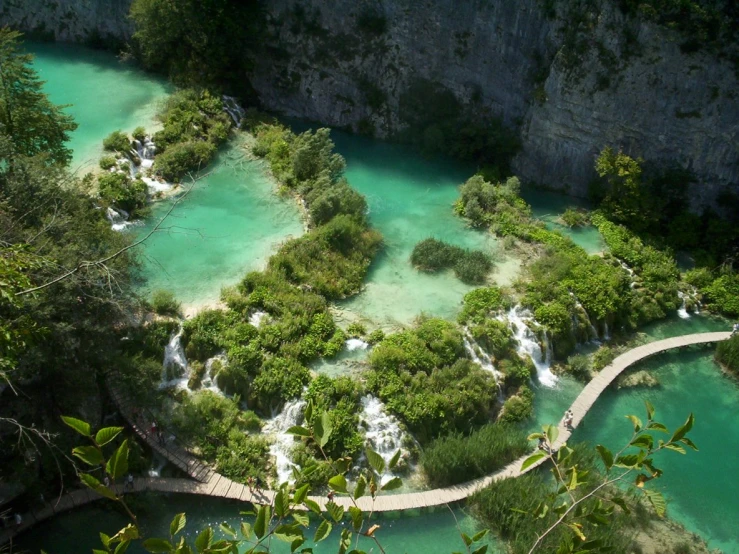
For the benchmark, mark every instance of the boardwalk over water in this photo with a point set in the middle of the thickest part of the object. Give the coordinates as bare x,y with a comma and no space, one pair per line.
209,483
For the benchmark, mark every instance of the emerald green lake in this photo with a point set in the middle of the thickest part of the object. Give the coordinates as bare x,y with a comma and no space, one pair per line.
232,221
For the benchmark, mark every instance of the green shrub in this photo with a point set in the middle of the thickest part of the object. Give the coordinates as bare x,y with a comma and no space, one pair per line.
603,356
117,141
139,133
182,158
480,304
578,366
340,397
727,354
470,266
119,190
573,217
376,336
496,337
164,302
356,330
722,294
107,162
457,458
519,407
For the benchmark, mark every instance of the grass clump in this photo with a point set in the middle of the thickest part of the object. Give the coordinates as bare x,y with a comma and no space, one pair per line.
470,266
164,302
107,162
457,458
727,354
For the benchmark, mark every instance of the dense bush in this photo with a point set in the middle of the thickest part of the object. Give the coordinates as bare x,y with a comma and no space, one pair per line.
122,192
457,458
727,354
117,141
573,217
180,159
481,304
723,294
518,407
471,266
340,397
107,162
164,302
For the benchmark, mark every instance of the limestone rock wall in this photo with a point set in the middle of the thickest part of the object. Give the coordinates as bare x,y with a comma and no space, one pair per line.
69,20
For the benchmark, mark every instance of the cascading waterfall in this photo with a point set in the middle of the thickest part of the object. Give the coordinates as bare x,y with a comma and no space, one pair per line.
382,431
209,379
146,151
118,218
682,310
291,415
630,272
175,372
355,344
233,109
256,318
482,359
592,330
529,346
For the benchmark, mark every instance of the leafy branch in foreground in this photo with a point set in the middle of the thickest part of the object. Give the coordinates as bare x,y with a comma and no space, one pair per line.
285,518
632,466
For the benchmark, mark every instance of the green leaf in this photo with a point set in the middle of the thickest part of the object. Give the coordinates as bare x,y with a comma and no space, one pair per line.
467,539
577,530
88,454
531,460
90,482
246,530
482,550
178,524
327,429
657,501
686,441
228,530
683,430
105,539
312,505
627,461
297,543
323,531
552,433
643,441
357,517
118,464
636,421
394,460
301,494
605,455
360,488
308,413
204,539
122,547
376,461
656,426
282,504
82,427
298,431
394,483
337,483
301,518
618,501
107,434
335,511
260,525
479,536
650,410
158,545
675,447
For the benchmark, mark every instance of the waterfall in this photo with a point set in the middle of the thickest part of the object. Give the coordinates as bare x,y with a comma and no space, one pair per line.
232,108
529,346
682,310
175,369
482,359
209,379
292,414
157,465
146,152
382,431
630,272
118,218
606,332
356,344
593,331
256,318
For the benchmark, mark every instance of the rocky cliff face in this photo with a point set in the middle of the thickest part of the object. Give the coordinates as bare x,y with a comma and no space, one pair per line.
83,21
355,63
350,63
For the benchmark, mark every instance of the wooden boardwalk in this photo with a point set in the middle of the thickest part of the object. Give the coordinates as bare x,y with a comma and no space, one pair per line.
207,482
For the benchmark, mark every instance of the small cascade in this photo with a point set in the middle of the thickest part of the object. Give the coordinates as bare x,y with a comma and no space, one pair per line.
683,310
209,376
529,346
118,218
382,431
291,415
175,368
157,465
356,344
256,318
233,109
629,271
482,359
592,331
145,151
606,332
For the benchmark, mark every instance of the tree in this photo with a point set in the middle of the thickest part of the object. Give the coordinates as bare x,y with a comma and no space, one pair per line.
577,500
624,199
33,124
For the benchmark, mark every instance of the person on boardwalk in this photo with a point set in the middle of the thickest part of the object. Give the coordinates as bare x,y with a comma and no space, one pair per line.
128,483
330,496
154,428
250,482
569,416
735,329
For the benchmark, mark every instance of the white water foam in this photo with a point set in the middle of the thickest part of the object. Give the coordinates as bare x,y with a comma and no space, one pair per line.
382,431
682,310
529,346
256,318
292,414
233,109
356,344
175,370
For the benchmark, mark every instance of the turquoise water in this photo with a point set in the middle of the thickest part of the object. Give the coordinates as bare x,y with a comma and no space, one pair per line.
105,95
430,533
230,223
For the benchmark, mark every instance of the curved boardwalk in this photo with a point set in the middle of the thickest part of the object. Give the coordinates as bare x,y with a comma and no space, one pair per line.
209,483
